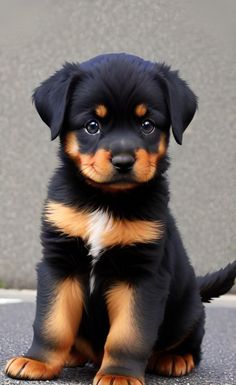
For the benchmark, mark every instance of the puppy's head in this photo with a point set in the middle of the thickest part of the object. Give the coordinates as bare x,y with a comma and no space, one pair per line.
113,114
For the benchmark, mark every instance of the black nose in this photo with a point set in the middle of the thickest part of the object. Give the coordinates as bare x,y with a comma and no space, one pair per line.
123,162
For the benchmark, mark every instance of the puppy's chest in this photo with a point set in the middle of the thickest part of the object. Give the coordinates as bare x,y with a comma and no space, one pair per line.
100,229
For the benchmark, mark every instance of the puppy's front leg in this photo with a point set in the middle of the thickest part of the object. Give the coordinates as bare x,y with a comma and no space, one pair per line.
134,315
58,315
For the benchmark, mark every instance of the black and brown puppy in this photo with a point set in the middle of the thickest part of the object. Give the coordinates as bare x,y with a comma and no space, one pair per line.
115,285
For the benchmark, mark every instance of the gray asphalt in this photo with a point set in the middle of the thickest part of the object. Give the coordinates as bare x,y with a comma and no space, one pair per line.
218,366
198,38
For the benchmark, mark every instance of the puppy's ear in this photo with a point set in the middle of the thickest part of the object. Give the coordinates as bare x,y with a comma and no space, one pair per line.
52,96
181,101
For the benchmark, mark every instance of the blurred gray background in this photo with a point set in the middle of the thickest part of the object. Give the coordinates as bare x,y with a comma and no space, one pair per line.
196,37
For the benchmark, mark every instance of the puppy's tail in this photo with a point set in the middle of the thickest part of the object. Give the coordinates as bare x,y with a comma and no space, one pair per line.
215,284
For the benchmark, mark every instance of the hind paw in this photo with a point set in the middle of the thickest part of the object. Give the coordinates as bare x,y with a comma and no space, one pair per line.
171,364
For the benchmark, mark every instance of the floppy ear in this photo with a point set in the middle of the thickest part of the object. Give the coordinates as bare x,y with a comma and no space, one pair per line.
52,96
181,101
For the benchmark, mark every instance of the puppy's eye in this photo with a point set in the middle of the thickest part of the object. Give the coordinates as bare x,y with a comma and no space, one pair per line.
92,127
147,127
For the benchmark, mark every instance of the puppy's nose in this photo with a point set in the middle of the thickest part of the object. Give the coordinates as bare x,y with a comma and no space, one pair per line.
123,162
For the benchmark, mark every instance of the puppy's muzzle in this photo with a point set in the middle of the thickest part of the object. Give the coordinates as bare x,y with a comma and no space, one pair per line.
122,162
123,153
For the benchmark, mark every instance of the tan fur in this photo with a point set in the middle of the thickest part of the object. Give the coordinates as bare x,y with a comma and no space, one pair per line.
26,368
101,110
110,379
75,223
97,167
123,332
65,314
147,163
114,188
72,147
61,327
68,220
171,364
140,110
127,232
85,349
75,359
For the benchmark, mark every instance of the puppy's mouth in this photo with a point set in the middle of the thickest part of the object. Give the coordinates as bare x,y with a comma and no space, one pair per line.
121,171
117,182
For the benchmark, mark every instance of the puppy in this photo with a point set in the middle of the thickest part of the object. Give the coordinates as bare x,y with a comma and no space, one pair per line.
115,285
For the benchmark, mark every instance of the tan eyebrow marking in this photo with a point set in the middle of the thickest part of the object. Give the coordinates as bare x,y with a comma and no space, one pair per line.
101,110
140,110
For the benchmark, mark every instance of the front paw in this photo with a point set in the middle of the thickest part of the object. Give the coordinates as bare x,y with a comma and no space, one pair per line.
24,368
113,379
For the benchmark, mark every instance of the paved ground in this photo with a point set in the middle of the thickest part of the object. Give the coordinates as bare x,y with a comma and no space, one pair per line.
218,366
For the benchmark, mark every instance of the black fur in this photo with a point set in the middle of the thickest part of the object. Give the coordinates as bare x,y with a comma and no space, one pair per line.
168,301
216,284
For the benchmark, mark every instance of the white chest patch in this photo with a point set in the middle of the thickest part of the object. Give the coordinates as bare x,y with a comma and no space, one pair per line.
99,223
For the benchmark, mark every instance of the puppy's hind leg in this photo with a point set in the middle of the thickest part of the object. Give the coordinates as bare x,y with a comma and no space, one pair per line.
181,359
58,315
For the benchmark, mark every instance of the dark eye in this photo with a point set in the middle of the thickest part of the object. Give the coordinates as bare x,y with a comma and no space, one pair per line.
148,126
92,127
